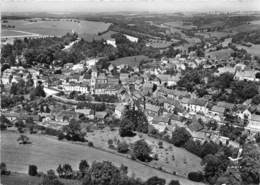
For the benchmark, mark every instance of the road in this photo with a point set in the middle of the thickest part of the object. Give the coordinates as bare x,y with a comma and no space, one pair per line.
47,153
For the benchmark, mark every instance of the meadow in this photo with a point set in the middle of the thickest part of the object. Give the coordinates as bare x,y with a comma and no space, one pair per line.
47,153
86,29
131,61
183,163
253,50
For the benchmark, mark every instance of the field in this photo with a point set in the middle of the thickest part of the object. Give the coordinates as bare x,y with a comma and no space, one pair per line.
223,54
254,49
23,179
6,32
47,153
85,29
131,61
100,139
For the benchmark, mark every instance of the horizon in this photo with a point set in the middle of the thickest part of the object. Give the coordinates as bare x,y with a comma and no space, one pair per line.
110,6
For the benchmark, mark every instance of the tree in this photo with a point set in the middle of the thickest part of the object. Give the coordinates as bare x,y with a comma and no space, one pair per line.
83,166
257,75
103,173
214,167
195,176
122,147
208,148
50,179
32,170
193,147
126,128
3,168
23,139
180,136
250,164
67,169
174,182
142,150
73,131
155,181
4,122
139,120
256,99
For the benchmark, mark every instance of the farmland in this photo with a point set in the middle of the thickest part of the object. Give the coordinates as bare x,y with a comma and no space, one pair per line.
54,152
86,29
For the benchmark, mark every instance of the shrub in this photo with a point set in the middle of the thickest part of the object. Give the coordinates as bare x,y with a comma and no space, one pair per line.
160,144
195,176
110,142
174,182
3,168
32,170
122,147
90,144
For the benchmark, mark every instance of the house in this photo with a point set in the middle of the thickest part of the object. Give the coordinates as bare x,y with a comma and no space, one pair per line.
168,79
198,105
101,79
66,116
225,69
112,81
152,110
111,42
100,89
249,75
111,67
124,77
100,115
243,113
217,110
119,110
254,124
20,116
169,104
79,87
196,125
160,123
86,112
225,105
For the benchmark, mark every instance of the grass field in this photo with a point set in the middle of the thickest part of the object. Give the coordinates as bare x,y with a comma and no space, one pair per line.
223,54
47,153
6,32
100,139
23,179
131,61
58,28
254,49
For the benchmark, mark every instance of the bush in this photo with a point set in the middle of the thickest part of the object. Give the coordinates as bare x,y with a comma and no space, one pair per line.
195,176
122,147
90,144
110,142
32,170
174,182
160,144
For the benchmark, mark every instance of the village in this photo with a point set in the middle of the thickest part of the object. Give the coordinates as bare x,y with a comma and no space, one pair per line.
184,111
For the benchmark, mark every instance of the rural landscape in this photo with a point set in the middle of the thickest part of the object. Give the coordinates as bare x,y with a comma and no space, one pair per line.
125,97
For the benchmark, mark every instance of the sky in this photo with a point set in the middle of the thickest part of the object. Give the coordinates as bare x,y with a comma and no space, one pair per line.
89,6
